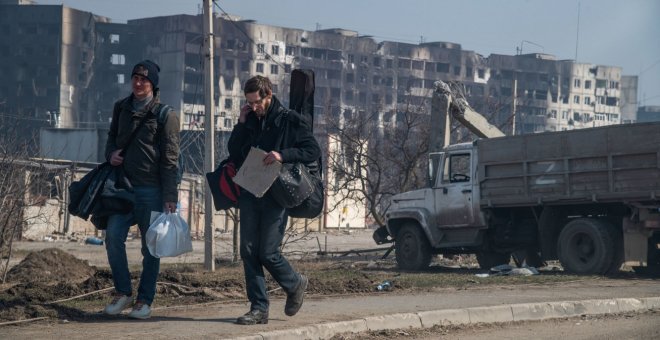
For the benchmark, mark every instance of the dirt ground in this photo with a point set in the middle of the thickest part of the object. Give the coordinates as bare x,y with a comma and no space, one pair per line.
54,283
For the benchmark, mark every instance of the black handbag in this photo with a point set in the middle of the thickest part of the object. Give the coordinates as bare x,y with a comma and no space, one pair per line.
293,185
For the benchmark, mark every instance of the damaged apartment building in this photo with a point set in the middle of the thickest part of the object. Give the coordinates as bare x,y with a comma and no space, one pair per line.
66,67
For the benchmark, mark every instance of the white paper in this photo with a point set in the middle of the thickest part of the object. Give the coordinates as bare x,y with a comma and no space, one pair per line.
255,176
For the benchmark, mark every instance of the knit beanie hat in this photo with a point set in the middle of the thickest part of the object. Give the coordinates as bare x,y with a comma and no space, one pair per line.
149,70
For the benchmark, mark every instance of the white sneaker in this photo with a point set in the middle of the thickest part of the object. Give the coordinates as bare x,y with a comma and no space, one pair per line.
119,303
140,310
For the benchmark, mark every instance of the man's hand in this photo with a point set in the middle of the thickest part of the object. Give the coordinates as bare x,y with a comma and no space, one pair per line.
272,157
115,158
170,207
244,112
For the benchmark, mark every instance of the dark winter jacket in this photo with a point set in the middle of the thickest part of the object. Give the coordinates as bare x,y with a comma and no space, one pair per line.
297,143
152,157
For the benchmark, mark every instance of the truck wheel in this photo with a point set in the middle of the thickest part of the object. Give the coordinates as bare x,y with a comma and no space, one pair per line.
490,259
413,251
586,246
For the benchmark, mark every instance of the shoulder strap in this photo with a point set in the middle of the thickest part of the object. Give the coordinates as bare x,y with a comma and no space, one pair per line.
134,133
162,113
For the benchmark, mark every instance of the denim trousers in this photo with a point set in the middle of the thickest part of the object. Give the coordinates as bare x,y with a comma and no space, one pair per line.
263,223
148,199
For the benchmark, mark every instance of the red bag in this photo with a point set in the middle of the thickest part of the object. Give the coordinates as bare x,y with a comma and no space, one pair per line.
225,193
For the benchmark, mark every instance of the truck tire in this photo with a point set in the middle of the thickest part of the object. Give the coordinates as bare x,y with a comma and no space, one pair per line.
413,251
586,246
490,259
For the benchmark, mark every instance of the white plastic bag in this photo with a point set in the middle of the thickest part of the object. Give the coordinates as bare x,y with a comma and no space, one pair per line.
168,236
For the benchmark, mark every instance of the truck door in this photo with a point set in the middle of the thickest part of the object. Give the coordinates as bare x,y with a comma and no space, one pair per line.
453,191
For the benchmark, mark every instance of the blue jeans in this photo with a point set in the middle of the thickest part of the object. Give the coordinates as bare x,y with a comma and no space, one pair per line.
263,223
148,199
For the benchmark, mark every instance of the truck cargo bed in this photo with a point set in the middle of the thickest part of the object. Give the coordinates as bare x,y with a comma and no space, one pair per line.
618,163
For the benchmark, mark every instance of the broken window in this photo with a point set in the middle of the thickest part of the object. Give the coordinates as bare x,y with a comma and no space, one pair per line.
587,84
290,50
228,103
468,72
481,73
229,64
443,68
245,66
275,50
418,65
114,38
229,84
261,48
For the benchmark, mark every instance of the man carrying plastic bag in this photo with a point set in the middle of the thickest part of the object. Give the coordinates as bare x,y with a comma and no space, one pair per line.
168,236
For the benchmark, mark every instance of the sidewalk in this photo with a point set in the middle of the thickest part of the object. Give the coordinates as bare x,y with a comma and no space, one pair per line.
324,317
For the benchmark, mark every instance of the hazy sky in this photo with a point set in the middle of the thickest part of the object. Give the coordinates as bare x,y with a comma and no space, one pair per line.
623,33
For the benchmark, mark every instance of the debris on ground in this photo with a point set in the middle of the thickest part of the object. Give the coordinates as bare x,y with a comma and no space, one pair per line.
509,270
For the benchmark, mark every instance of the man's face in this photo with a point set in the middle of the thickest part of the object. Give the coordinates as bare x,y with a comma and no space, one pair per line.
141,86
258,104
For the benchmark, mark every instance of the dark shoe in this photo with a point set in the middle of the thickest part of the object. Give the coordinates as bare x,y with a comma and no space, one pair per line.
295,300
253,317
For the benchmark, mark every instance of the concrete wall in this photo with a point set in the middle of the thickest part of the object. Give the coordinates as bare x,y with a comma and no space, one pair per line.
81,145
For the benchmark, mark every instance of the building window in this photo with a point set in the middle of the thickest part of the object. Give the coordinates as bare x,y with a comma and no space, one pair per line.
245,66
229,64
118,59
260,67
377,61
552,114
229,84
275,50
290,50
261,48
350,77
389,63
587,84
587,100
442,67
114,38
457,70
348,95
481,73
576,99
274,69
120,78
576,83
228,103
287,68
564,115
227,122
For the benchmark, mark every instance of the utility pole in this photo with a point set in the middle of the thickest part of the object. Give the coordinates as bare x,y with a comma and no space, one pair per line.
209,130
514,103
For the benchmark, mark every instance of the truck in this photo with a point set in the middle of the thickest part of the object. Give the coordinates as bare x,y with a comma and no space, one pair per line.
589,198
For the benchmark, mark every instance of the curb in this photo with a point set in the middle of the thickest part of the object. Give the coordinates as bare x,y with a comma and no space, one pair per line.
503,313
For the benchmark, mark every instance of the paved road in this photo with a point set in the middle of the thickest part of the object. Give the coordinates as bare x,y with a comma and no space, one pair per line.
216,321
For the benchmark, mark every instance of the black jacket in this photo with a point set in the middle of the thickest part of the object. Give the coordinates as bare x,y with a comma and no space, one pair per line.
152,157
297,142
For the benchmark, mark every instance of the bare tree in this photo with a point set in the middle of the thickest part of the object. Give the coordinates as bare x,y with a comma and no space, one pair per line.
377,155
22,184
